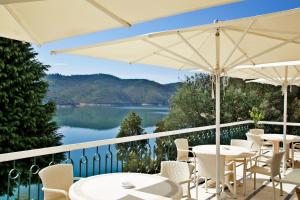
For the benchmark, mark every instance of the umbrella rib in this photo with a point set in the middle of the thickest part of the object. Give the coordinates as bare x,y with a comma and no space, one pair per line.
276,71
193,49
259,34
296,75
236,46
148,55
181,61
266,51
109,13
22,24
3,2
175,54
239,48
265,76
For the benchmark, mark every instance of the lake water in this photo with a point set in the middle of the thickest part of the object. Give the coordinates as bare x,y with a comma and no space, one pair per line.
89,123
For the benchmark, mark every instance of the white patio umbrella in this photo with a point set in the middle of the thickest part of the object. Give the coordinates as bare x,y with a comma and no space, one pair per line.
278,74
41,21
215,48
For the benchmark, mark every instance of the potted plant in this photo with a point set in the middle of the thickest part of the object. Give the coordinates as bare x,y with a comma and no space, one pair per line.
256,115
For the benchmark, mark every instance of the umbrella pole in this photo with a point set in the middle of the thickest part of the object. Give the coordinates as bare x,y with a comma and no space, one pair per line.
285,128
217,79
285,88
218,189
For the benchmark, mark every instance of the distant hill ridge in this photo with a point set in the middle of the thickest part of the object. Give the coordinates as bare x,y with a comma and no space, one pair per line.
107,89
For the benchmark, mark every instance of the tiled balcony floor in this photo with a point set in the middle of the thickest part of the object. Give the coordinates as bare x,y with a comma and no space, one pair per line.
264,190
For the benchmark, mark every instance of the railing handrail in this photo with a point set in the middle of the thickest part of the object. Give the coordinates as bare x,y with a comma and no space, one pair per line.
85,145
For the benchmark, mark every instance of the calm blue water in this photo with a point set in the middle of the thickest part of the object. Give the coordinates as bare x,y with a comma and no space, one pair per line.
90,123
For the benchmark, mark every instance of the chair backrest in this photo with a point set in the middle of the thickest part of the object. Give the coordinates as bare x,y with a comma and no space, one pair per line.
182,144
257,141
241,143
275,163
177,171
207,165
257,131
58,176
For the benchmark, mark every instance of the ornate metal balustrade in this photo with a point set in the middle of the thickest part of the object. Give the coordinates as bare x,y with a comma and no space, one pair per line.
19,170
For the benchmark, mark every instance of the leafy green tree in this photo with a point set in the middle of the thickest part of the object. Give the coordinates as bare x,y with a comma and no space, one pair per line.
25,120
132,152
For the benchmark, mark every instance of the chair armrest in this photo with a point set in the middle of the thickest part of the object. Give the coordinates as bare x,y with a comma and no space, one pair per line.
58,191
77,178
229,163
188,151
186,181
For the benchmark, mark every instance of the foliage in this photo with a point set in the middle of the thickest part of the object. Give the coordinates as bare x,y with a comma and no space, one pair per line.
192,106
131,151
107,89
25,120
256,115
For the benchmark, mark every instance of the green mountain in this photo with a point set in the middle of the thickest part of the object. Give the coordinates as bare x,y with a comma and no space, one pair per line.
107,89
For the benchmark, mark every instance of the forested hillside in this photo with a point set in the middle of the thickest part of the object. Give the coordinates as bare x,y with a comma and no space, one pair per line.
107,89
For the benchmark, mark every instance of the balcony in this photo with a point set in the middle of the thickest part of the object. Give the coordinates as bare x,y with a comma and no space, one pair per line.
141,154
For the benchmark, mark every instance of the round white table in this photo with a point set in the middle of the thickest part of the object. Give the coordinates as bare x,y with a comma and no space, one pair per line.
225,150
109,186
277,138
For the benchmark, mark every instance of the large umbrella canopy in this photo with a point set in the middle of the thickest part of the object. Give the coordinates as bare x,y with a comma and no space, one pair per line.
215,48
278,74
40,21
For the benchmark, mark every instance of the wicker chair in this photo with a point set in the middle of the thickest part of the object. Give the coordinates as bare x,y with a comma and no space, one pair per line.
271,169
179,172
57,180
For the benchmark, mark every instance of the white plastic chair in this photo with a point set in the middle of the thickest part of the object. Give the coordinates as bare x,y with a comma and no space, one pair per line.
183,150
57,180
257,143
271,169
179,172
243,161
295,147
207,169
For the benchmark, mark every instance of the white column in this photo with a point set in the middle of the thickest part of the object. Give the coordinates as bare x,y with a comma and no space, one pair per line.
285,88
284,127
217,79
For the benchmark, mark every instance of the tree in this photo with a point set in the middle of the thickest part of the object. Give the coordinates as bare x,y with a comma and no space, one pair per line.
133,152
25,120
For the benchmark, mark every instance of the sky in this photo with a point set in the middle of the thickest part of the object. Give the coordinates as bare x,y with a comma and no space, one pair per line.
72,64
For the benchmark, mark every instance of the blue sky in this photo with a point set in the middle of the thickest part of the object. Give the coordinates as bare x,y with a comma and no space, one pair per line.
68,64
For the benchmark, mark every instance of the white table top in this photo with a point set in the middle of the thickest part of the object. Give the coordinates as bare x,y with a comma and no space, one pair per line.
109,186
225,150
279,137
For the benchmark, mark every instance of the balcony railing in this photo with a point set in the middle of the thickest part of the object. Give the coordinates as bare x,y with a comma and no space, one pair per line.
142,153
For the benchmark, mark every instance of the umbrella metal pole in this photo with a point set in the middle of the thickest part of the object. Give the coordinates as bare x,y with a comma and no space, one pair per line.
284,127
285,88
217,85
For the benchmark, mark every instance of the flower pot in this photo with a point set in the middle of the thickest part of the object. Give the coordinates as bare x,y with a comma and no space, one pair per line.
257,131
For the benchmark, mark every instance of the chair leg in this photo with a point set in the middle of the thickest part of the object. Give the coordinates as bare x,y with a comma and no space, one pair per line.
189,191
254,180
244,176
205,184
274,190
234,180
280,183
292,157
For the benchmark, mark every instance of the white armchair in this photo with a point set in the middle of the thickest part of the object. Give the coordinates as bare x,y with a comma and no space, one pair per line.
183,151
179,172
270,168
207,169
57,180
